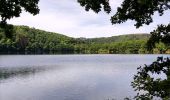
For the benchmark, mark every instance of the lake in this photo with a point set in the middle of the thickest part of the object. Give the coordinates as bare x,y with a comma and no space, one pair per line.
69,77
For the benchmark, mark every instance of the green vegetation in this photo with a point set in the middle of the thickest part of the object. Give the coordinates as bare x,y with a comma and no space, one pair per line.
142,11
27,40
126,47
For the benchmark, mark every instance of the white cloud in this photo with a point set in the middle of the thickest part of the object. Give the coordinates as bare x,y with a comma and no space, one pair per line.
68,18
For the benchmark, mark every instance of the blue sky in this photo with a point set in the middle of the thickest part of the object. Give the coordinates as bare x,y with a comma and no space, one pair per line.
69,18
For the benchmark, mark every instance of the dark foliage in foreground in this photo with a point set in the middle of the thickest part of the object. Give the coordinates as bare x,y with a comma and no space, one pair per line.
13,8
161,34
150,86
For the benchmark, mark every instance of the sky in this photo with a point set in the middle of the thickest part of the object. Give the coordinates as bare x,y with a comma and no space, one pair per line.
69,18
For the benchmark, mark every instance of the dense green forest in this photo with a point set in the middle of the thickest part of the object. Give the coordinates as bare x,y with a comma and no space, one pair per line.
27,40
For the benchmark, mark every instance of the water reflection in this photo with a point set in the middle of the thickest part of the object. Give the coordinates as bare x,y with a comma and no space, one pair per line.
11,72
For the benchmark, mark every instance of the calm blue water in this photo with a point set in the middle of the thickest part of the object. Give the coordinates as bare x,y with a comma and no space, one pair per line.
69,77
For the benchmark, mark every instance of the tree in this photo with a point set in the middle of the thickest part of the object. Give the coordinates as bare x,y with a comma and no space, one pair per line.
161,48
142,11
161,34
95,5
144,80
139,10
13,8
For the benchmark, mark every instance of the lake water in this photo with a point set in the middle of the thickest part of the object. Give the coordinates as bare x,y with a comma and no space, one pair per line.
69,77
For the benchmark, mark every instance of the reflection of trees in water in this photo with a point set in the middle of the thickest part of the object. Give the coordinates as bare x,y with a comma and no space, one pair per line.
6,73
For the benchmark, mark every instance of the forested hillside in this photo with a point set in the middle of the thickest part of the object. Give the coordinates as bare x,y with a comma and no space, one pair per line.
120,38
27,40
34,41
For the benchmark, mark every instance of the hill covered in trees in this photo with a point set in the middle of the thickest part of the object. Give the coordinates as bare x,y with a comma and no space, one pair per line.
25,40
120,38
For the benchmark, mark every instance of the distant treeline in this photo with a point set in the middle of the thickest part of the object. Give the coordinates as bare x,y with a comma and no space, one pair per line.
25,40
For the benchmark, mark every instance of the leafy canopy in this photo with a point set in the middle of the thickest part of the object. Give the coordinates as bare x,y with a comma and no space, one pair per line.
95,5
13,8
161,34
139,10
144,80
